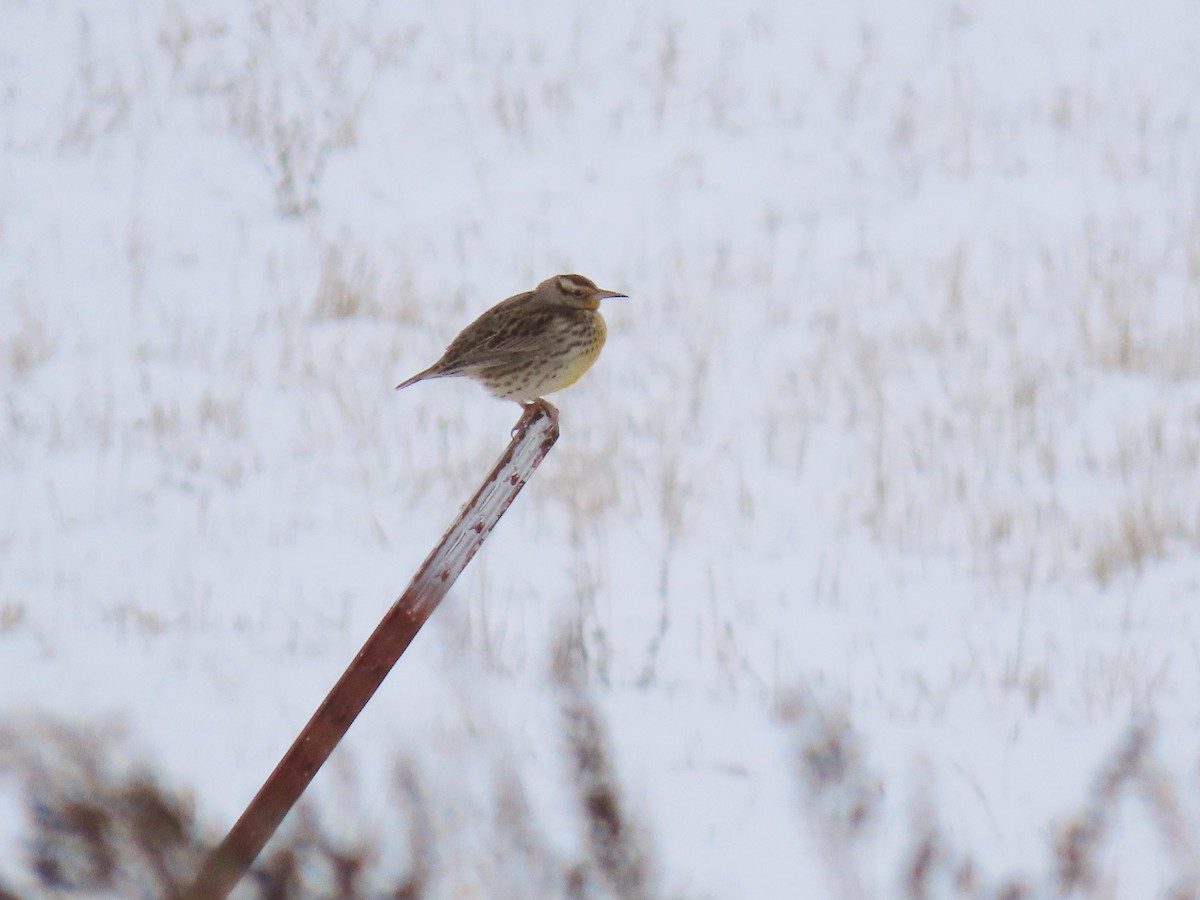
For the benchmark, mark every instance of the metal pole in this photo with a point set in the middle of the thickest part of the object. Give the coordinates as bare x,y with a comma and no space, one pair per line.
533,437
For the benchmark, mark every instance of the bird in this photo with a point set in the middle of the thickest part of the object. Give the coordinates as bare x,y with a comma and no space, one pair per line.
531,344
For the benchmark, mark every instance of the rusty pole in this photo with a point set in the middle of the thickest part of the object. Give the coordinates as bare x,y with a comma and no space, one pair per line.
533,437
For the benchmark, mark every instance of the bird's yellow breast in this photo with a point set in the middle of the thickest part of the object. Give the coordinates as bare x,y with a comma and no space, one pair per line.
581,360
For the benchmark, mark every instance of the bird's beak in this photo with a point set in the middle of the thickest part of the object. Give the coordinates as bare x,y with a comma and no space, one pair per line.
602,294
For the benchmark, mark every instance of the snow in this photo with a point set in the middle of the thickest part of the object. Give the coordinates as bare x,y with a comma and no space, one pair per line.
903,412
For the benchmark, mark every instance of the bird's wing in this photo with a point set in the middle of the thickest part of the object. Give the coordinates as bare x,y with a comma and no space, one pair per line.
503,334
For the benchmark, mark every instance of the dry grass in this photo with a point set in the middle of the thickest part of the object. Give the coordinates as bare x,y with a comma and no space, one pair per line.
1081,868
13,614
619,849
293,118
1138,535
32,342
348,286
840,798
98,826
102,95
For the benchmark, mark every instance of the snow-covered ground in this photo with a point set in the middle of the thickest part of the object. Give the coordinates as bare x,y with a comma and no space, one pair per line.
902,417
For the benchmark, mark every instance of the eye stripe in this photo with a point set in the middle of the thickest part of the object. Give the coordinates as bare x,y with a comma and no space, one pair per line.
575,284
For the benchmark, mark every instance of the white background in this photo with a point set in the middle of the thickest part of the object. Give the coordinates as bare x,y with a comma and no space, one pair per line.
902,415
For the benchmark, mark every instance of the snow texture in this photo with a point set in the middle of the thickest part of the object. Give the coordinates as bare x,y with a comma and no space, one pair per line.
902,417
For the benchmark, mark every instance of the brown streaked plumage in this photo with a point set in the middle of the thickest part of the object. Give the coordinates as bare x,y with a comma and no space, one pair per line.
532,344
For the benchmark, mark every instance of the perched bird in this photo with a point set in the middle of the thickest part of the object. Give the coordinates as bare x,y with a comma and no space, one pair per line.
532,344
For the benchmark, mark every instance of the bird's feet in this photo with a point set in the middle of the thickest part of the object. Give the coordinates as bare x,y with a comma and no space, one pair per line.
532,410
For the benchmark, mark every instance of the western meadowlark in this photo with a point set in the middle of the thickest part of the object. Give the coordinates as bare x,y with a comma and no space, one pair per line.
532,344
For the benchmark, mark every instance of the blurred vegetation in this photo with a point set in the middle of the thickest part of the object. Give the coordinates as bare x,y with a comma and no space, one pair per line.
98,828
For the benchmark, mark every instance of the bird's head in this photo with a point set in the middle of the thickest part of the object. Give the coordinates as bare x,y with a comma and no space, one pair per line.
574,291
